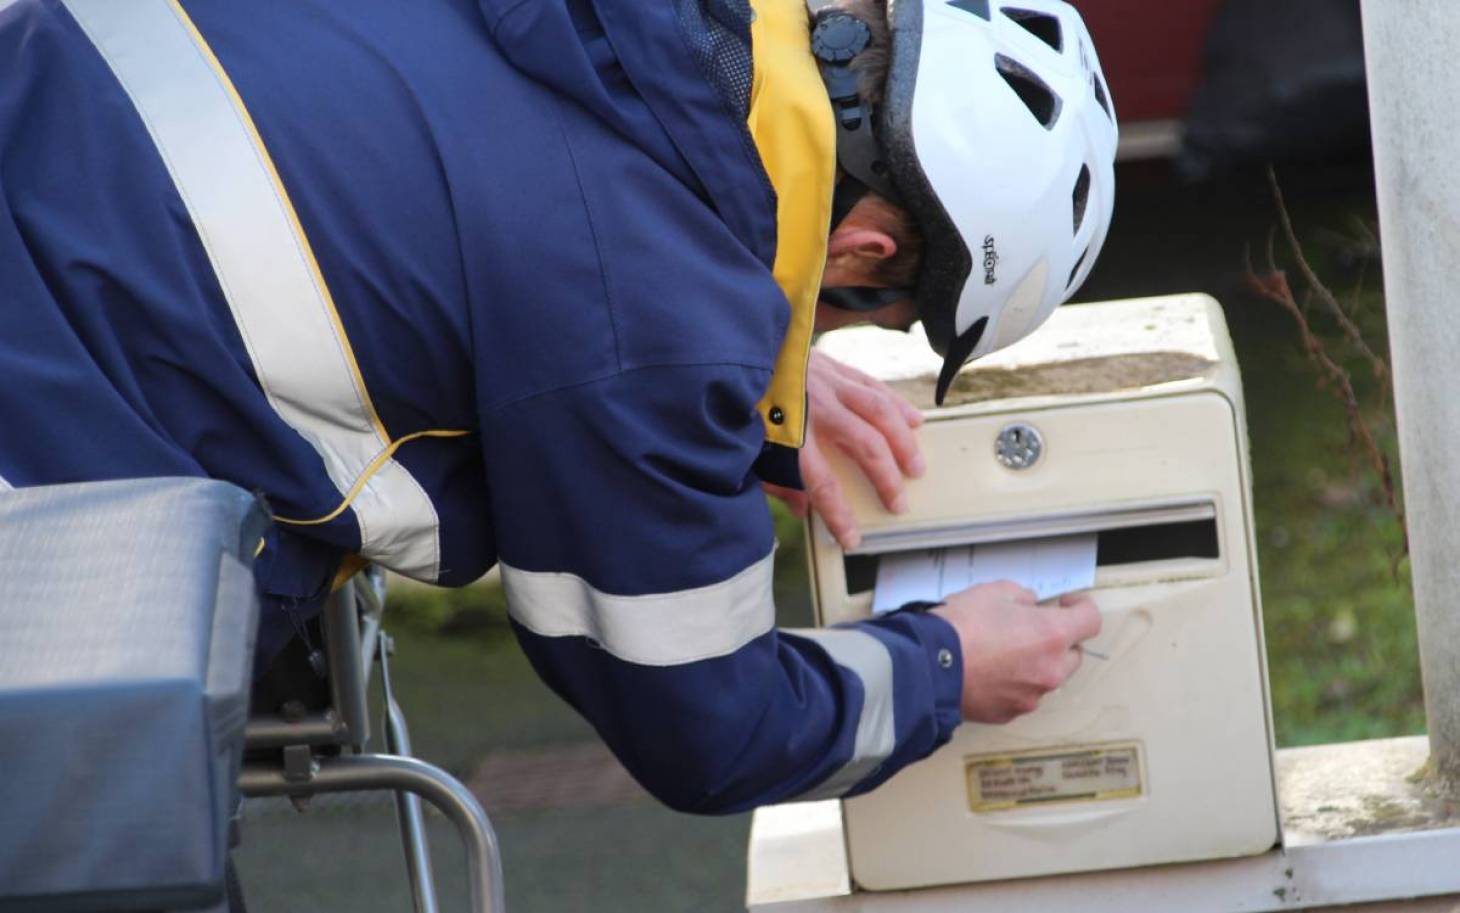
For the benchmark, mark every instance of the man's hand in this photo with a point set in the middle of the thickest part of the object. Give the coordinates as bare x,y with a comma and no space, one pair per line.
871,424
1014,650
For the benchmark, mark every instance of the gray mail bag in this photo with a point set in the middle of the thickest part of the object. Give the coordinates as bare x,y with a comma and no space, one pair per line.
127,615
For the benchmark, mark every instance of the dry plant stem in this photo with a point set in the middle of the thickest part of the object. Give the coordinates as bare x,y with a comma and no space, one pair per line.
1356,299
1350,329
1274,287
1365,231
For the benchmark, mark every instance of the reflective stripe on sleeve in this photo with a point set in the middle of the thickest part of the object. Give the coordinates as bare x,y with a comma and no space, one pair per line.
265,267
659,629
868,659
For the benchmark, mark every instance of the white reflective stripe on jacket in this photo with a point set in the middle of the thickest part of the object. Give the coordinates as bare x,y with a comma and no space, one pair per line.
266,269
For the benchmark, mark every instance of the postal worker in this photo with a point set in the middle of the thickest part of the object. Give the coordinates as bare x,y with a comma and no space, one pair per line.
456,283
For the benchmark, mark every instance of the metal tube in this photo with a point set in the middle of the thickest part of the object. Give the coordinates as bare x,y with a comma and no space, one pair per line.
370,590
408,812
348,674
369,637
1410,48
350,773
271,731
407,805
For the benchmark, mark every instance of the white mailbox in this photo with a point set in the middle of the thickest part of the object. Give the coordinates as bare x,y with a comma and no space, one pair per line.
1123,420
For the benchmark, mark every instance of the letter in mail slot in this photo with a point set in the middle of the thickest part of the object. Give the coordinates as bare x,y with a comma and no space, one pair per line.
1131,431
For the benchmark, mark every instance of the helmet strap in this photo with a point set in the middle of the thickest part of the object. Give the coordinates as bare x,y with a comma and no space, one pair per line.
836,39
859,156
862,298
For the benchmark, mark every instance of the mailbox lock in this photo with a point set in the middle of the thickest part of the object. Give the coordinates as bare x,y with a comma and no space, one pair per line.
1018,446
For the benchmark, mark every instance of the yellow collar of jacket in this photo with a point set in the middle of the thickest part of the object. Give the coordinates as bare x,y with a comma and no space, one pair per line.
791,122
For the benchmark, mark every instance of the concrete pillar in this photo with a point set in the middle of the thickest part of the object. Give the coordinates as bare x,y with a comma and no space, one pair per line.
1413,60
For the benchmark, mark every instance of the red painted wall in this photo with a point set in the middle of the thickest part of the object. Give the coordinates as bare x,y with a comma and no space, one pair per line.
1150,51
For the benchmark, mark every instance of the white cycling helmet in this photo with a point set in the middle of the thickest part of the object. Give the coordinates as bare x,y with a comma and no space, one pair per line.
997,135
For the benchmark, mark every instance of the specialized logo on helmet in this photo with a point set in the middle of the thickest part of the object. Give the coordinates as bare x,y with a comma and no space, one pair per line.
990,260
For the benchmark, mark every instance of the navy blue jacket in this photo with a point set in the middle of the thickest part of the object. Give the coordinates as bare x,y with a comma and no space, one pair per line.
541,244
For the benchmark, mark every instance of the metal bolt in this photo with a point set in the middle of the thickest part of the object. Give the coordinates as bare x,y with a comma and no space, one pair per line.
299,764
318,664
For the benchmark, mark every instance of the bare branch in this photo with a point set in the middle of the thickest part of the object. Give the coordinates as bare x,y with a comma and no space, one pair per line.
1351,331
1331,375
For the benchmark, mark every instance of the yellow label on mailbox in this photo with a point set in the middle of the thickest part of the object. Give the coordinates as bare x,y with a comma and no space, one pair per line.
1074,774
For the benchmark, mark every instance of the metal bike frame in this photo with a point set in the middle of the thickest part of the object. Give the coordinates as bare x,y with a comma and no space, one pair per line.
353,640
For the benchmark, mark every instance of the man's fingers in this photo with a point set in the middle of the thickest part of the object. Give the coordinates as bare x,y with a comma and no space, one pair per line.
849,372
1081,618
1071,662
1006,589
874,457
911,414
872,425
882,410
826,498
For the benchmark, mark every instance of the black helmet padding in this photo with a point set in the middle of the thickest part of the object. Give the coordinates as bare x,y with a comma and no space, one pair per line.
946,259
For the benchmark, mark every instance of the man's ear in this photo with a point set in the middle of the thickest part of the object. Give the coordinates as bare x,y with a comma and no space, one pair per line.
860,243
853,253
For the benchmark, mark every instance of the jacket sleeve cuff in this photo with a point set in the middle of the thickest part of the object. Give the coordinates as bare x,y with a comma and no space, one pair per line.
927,687
779,465
944,656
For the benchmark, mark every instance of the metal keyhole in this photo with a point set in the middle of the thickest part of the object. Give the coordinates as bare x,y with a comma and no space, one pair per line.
1018,446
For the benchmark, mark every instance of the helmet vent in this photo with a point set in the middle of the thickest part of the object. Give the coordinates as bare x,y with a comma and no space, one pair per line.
1037,97
1041,25
1076,270
1081,196
1100,96
979,8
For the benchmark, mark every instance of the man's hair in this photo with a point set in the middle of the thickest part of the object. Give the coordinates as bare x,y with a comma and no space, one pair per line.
901,269
870,65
